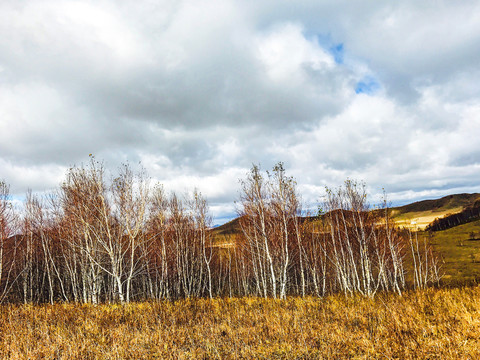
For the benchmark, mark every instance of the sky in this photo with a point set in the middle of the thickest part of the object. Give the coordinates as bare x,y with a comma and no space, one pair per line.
385,92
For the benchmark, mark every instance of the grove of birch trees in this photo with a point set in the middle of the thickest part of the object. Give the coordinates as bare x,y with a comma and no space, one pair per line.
102,238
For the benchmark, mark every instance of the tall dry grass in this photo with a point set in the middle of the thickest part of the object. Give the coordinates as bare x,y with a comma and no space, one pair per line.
434,324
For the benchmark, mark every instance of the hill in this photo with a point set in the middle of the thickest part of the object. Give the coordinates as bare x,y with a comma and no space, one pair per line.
458,246
468,214
229,228
415,215
449,202
420,214
459,249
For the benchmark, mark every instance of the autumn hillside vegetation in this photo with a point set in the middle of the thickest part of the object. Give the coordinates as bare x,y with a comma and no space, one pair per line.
117,238
468,214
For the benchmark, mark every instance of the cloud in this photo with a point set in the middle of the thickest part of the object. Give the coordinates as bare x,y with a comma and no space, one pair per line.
197,91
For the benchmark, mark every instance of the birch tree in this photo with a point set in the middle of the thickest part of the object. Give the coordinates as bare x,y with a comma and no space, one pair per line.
202,223
86,209
8,244
270,223
131,194
256,227
366,248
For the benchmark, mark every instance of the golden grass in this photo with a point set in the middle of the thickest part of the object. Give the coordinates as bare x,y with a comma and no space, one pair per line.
434,324
420,220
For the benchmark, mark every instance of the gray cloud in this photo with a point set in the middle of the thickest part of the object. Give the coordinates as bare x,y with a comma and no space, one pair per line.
198,91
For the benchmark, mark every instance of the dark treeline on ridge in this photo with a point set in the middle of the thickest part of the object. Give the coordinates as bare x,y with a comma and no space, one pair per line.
97,240
468,214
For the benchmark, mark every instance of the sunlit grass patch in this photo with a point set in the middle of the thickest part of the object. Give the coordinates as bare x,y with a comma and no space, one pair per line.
422,324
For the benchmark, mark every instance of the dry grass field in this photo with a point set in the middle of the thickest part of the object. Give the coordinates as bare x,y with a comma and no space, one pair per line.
433,324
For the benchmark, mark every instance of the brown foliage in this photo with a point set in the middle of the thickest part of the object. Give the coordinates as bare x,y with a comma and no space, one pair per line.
120,239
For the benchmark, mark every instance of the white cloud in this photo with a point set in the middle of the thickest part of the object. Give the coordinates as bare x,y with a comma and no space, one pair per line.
43,177
285,52
198,91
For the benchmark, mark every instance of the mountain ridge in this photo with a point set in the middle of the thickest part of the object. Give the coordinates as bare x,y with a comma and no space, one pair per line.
417,214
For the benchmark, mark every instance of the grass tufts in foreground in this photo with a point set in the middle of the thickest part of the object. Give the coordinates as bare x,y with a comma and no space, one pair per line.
443,324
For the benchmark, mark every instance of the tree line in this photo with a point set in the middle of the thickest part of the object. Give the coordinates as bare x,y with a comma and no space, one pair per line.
468,214
99,238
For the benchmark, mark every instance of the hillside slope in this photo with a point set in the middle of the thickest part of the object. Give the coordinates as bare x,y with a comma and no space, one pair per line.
449,202
415,215
459,249
420,214
468,214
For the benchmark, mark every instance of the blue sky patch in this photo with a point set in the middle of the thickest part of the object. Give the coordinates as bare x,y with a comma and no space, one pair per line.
367,85
326,42
338,52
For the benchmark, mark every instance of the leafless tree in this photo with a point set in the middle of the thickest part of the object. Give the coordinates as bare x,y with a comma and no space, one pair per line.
155,249
116,238
187,249
131,193
270,223
366,249
426,266
8,243
256,227
202,223
86,209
